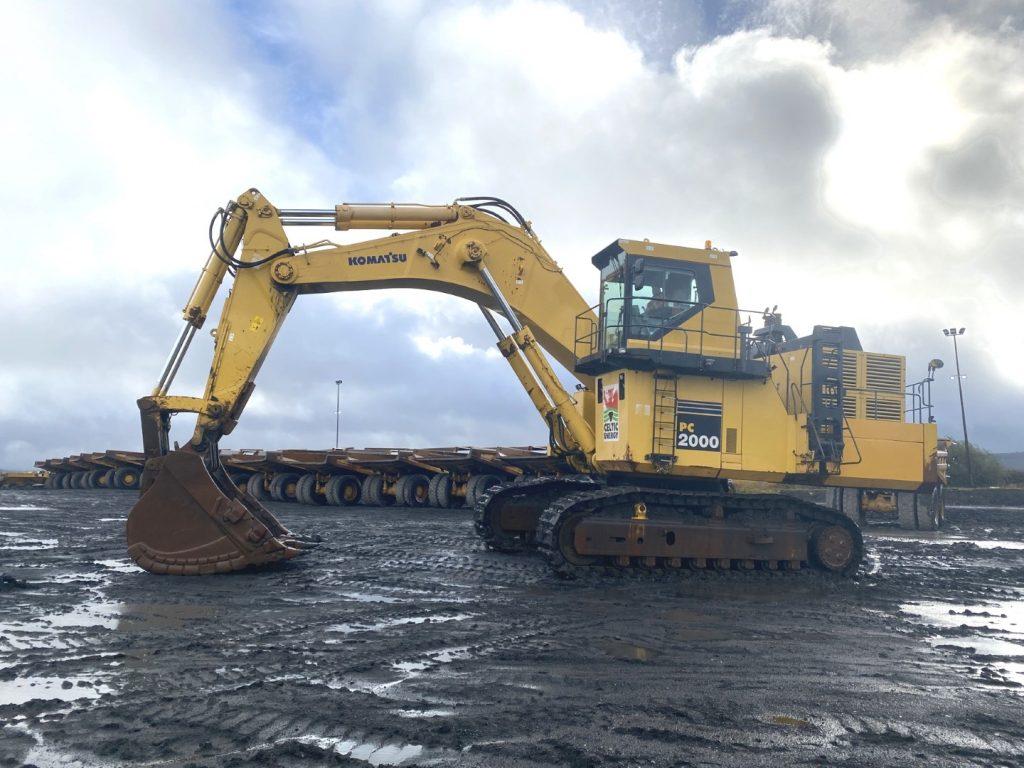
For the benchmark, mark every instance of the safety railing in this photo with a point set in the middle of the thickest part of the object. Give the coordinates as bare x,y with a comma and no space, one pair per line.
919,394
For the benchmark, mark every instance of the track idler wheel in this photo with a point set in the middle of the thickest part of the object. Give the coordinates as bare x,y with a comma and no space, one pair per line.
185,524
832,547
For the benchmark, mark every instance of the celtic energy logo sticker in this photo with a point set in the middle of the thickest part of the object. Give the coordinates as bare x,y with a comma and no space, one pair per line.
610,420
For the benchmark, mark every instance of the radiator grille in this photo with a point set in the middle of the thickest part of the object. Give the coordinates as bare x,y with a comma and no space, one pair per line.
884,373
873,386
884,409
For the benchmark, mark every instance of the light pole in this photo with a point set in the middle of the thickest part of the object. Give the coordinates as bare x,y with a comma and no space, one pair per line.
337,414
954,332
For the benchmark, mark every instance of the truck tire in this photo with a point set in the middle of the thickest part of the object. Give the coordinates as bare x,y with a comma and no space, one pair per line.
373,492
107,481
411,490
53,480
343,490
65,480
126,478
921,511
439,492
478,484
78,480
238,480
306,492
255,488
93,479
847,501
282,486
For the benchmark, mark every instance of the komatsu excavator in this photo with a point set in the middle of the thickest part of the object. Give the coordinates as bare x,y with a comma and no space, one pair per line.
678,395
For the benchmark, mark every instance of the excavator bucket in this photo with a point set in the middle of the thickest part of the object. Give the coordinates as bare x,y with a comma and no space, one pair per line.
185,523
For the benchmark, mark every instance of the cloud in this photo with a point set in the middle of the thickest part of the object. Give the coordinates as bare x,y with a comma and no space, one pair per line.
866,165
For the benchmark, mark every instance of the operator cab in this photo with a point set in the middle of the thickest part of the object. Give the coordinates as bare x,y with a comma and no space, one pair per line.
665,307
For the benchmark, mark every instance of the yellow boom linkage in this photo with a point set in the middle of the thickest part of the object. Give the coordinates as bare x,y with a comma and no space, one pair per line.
455,249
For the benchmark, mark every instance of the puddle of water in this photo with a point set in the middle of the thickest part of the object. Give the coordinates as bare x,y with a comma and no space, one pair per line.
43,631
47,631
29,544
367,597
947,540
1004,616
44,756
417,713
982,646
25,689
629,651
407,669
123,565
348,629
998,630
374,754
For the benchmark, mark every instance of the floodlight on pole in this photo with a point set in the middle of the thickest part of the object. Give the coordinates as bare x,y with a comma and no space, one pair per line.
954,332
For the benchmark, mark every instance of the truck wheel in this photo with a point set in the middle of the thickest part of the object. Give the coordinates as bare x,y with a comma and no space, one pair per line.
94,478
411,490
238,480
918,511
255,488
107,481
53,481
343,490
65,480
282,486
126,478
477,485
306,493
78,480
440,491
373,492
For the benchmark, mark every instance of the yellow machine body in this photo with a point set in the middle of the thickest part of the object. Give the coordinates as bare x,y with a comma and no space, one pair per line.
675,386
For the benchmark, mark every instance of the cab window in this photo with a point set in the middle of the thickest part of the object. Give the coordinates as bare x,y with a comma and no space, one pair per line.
662,298
613,301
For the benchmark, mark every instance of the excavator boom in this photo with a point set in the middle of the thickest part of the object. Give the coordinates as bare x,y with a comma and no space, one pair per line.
190,518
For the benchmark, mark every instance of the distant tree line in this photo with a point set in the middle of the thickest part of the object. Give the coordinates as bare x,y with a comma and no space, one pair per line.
988,470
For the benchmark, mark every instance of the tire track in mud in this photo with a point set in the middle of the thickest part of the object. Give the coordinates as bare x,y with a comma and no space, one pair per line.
401,640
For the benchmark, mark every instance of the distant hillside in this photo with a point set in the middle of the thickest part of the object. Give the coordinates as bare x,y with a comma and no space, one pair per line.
1011,460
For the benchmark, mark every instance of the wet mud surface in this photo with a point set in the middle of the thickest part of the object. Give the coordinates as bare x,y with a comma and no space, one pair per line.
401,642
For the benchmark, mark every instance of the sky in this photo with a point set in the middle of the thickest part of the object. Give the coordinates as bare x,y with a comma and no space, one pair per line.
863,158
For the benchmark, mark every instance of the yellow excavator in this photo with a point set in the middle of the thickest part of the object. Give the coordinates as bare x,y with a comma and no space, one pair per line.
678,395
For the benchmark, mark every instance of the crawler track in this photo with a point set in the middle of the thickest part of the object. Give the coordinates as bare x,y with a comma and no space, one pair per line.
537,492
748,511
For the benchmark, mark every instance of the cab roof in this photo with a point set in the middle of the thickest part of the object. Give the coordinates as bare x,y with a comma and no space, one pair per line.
662,251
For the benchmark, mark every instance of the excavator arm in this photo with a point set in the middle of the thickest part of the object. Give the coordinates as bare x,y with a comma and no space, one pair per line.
190,518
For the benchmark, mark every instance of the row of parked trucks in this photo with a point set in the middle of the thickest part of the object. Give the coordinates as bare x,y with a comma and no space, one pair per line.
432,477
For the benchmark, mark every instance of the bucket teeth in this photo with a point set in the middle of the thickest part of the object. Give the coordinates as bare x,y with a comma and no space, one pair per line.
186,524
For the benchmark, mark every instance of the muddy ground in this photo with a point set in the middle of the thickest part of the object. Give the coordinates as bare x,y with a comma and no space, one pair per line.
401,642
